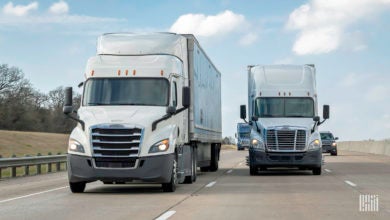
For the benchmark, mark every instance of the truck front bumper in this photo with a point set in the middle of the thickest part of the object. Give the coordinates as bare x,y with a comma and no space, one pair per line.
328,149
154,169
308,159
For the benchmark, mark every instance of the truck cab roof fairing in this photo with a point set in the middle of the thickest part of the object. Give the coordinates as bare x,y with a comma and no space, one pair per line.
140,44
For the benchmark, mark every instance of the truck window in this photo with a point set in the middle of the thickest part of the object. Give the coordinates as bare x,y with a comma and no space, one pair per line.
326,136
126,91
284,107
174,94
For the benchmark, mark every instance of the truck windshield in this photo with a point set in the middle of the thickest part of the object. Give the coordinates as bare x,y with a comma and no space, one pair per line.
326,136
126,91
284,107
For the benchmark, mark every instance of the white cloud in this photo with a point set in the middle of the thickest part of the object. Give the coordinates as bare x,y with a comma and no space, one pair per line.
58,8
323,24
19,10
211,25
317,41
248,39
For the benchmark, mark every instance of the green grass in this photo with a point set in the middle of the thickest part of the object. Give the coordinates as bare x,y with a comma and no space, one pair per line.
31,143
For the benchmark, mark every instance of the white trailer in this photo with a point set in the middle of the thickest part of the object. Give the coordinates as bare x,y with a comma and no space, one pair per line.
283,113
150,112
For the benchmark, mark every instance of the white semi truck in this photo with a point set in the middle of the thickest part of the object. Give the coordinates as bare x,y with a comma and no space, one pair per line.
283,114
150,112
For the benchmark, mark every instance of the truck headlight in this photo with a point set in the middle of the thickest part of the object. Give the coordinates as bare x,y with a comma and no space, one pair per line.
75,146
256,144
334,144
314,145
160,146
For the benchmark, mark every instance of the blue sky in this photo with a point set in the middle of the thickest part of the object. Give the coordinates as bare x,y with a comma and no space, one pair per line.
347,40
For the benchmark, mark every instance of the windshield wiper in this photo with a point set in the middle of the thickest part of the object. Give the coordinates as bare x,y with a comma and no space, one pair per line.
96,103
296,116
268,115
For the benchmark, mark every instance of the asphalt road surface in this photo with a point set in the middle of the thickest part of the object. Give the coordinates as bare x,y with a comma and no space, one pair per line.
229,193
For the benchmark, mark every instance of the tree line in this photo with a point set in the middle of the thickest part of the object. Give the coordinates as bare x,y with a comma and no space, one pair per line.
24,108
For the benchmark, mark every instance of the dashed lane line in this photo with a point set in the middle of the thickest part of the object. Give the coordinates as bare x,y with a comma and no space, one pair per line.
166,215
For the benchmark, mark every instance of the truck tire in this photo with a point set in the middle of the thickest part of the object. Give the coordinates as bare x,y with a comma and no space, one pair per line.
171,185
215,148
192,178
77,187
317,171
252,170
333,153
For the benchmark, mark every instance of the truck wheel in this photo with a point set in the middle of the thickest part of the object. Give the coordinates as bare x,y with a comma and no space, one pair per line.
334,153
171,186
77,187
192,178
317,171
252,170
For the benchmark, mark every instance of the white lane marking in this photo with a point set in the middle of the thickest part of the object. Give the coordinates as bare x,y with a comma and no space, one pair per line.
33,194
229,171
329,171
166,215
350,183
211,184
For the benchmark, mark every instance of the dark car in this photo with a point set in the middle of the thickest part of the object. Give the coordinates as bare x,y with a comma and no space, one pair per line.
329,144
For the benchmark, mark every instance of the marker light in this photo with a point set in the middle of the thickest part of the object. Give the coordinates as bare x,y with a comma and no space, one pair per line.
134,72
92,72
162,72
119,72
127,72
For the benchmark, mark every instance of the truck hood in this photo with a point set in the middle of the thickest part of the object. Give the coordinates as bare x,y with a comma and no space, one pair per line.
142,116
269,123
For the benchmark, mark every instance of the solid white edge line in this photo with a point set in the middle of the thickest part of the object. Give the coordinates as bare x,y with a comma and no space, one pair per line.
166,215
211,184
229,171
329,171
33,194
350,183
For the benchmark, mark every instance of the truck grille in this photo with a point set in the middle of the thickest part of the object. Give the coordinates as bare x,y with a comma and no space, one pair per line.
286,140
116,141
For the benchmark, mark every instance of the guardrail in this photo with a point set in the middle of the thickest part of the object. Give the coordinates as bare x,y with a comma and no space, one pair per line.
36,161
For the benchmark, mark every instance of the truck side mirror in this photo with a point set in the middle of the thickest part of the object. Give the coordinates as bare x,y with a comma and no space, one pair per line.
186,100
325,112
316,118
243,112
336,138
68,105
255,118
236,135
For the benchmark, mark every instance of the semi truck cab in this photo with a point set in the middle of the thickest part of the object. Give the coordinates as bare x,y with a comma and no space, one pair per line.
283,115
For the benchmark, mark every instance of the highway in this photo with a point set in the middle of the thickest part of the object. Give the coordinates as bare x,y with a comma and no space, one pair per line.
229,193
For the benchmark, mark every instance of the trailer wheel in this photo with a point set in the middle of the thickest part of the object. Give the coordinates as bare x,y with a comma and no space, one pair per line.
215,148
77,187
192,178
171,186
